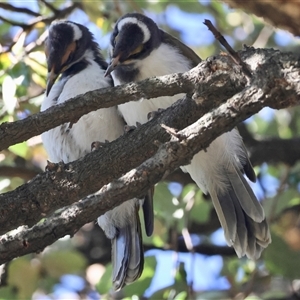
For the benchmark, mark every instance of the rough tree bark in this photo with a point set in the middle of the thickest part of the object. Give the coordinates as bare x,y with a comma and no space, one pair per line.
220,97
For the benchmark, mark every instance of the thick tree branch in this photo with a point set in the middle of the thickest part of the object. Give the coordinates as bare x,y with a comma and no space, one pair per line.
283,14
178,151
71,111
275,83
44,193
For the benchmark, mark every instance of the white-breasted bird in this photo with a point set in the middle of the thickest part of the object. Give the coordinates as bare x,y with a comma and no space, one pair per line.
72,52
139,50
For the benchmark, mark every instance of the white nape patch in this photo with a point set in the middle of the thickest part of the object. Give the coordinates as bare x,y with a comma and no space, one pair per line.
143,26
76,29
77,32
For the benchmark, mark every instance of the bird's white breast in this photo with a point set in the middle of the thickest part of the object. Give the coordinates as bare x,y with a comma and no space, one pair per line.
162,61
68,144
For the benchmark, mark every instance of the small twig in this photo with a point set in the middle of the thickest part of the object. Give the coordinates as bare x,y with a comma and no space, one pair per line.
23,10
118,8
235,56
59,14
14,23
170,130
50,6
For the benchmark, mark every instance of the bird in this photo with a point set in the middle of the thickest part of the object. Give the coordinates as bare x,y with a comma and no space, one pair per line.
73,54
139,49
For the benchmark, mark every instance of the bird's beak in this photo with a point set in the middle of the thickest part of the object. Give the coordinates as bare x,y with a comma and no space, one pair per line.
114,62
50,80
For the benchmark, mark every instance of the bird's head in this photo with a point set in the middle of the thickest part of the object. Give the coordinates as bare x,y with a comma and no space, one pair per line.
66,44
133,38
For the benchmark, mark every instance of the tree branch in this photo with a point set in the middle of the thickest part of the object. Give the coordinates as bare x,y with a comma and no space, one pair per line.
275,83
71,111
44,193
28,27
178,151
50,6
25,10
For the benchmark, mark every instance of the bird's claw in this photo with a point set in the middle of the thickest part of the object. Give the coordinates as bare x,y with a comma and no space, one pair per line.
128,128
97,145
152,114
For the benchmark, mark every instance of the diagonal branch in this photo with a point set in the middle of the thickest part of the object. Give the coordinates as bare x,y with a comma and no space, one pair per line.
171,155
27,27
71,111
275,83
24,10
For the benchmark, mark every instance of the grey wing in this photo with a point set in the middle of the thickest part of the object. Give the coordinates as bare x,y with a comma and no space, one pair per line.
184,49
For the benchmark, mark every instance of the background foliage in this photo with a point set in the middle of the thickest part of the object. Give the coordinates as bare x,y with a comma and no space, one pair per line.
187,257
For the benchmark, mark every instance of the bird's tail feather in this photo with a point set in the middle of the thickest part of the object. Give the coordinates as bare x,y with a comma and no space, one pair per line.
241,216
127,254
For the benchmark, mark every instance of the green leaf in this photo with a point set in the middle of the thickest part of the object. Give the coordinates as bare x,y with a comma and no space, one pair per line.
181,296
105,283
20,149
281,260
163,203
274,206
25,284
7,292
201,209
57,263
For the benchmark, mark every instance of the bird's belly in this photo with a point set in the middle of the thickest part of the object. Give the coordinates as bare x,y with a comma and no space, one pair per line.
68,143
137,111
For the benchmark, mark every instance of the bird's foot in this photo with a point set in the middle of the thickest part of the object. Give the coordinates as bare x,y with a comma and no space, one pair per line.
128,128
57,167
97,145
152,114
